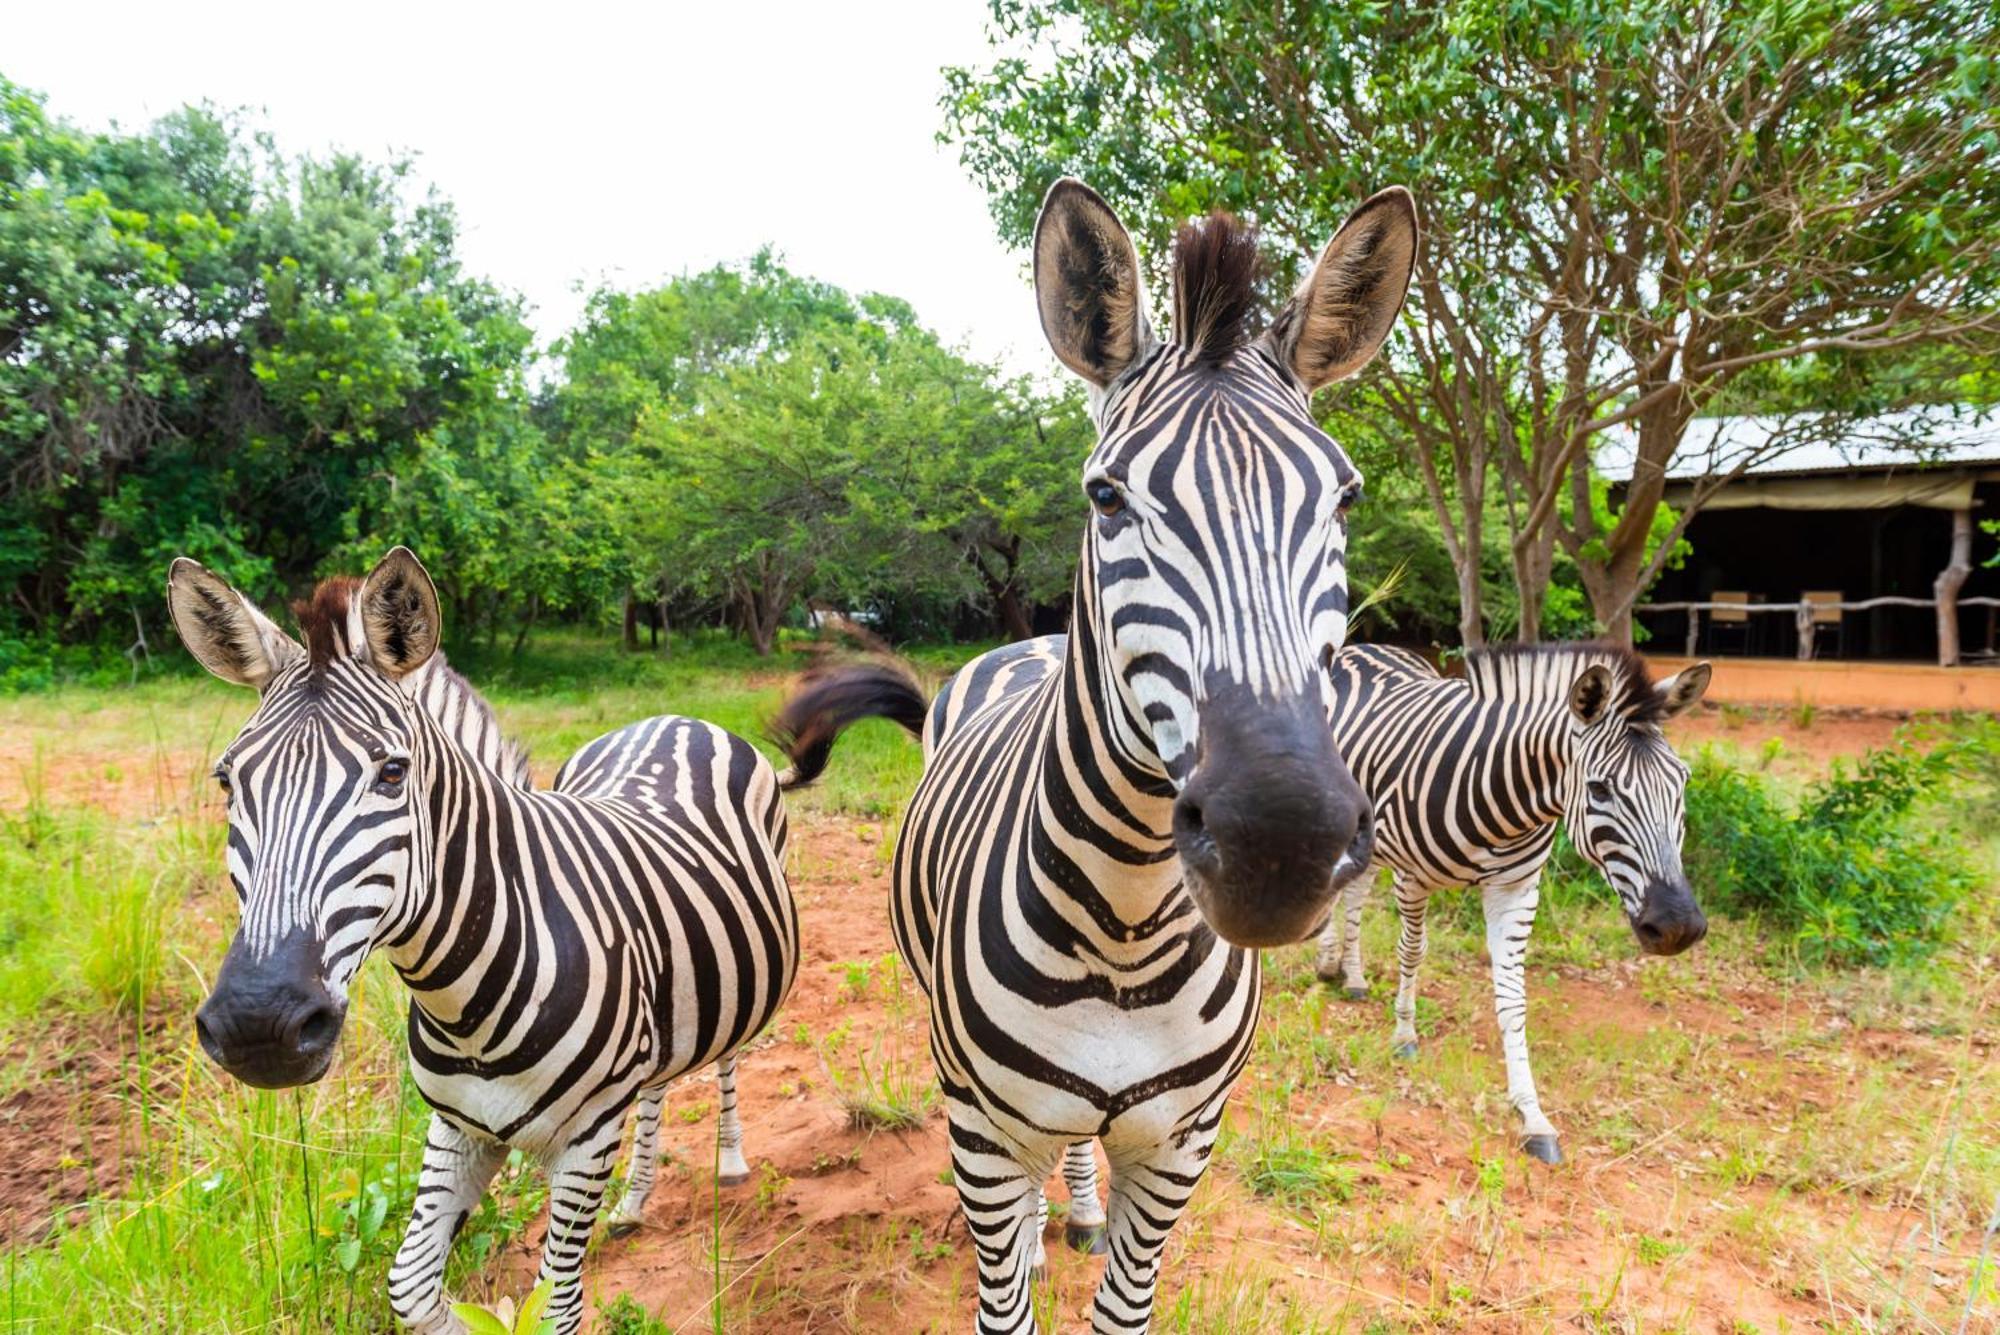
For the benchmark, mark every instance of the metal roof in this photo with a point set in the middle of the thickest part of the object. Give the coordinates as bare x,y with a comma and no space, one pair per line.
1803,443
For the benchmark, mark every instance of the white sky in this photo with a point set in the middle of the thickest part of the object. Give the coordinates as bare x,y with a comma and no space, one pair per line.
586,142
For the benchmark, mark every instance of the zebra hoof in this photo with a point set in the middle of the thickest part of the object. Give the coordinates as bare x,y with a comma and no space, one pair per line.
1405,1052
622,1228
1331,977
1543,1148
1357,994
732,1179
1090,1239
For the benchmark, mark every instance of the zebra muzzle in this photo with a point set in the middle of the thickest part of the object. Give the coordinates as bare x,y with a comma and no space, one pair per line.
270,1020
1269,821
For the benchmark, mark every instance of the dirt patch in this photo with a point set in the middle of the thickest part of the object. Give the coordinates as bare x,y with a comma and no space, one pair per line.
1446,1227
69,1122
1826,736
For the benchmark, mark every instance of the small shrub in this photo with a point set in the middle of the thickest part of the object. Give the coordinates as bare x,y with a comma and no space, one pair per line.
1287,1165
884,1091
1851,870
624,1316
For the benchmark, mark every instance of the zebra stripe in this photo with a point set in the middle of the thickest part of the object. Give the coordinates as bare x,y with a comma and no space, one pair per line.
568,952
1469,777
1107,820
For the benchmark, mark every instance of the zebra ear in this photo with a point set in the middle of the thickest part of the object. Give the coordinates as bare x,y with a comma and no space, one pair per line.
1683,688
1590,696
1346,307
223,629
1087,284
399,614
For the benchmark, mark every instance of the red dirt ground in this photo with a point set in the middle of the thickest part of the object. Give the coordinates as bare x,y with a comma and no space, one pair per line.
848,1230
843,1229
66,1131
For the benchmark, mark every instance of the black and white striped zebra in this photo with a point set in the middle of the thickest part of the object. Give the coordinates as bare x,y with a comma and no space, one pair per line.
568,952
1110,823
1469,777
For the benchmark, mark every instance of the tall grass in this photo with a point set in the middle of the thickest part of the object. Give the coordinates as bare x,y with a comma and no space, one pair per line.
231,1209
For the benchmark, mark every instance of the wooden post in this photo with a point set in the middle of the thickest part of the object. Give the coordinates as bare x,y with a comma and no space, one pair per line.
1949,581
1803,619
1694,631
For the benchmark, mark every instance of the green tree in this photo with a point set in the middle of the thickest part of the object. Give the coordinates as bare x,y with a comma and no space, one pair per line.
1628,207
208,348
770,441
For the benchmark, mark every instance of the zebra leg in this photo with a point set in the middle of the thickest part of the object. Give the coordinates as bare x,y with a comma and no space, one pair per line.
1084,1231
576,1191
1003,1201
1510,918
456,1169
1148,1196
1411,903
630,1211
732,1169
1340,943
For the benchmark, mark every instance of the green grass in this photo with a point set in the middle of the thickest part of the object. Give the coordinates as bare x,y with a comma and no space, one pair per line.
241,1209
227,1209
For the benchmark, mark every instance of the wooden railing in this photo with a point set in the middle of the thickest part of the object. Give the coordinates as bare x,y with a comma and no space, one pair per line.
1802,616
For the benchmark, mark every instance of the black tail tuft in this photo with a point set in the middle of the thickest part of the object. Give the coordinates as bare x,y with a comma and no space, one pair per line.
826,702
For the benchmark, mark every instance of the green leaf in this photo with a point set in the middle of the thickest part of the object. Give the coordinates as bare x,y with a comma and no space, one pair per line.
479,1321
530,1320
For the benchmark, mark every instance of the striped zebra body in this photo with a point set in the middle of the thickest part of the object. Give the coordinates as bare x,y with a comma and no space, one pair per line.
1470,777
1110,823
568,952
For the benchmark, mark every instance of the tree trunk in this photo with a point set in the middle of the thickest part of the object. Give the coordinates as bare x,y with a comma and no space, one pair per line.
762,624
1471,616
1949,581
1013,615
1613,588
1003,589
527,624
1532,565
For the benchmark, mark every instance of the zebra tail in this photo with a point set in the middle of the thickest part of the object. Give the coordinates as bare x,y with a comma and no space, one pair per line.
826,702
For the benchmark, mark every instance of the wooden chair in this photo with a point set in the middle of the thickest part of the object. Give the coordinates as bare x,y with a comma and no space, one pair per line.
1727,623
1828,622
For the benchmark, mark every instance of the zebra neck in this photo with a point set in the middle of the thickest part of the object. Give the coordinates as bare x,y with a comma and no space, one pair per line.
1102,835
1537,757
466,899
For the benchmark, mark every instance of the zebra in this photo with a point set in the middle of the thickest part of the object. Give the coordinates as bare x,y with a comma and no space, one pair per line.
1111,822
1469,776
568,952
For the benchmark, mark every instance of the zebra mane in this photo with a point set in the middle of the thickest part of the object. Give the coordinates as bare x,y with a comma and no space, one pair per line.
1216,265
462,711
322,619
1534,671
438,689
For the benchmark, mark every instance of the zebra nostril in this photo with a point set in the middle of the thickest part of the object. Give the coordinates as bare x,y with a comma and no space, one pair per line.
1193,837
205,1034
318,1030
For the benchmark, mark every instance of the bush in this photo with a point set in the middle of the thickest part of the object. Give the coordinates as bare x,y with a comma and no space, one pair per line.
1852,871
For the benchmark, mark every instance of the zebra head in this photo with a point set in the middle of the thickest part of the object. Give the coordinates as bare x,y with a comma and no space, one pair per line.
1626,807
1213,584
326,821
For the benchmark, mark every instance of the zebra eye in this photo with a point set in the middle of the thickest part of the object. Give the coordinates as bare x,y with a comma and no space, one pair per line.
392,773
222,780
1350,496
1599,790
1104,494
